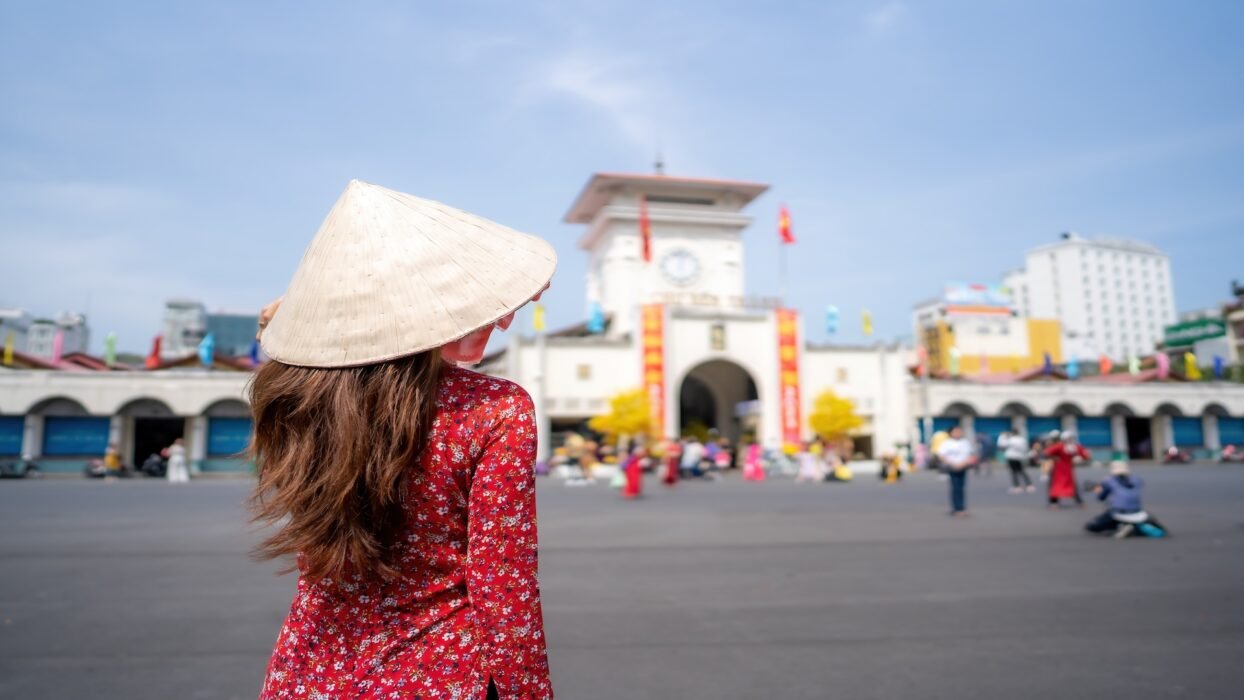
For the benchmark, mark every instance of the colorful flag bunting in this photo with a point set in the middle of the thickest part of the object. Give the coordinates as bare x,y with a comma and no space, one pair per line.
596,320
110,350
1191,369
537,318
207,350
1104,365
1164,365
58,346
10,341
153,360
954,361
866,320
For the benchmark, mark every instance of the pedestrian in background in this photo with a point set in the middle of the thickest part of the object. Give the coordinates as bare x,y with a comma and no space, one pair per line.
955,453
178,472
1015,451
1064,455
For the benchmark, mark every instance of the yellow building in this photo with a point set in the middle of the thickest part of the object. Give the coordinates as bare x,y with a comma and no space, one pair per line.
984,329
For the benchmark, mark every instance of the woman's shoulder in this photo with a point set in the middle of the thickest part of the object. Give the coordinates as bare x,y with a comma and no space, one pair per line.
481,392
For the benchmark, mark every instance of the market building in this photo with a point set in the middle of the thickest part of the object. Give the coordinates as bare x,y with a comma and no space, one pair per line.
677,323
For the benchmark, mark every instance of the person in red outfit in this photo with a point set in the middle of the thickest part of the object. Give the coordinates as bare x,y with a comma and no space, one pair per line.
1064,454
402,484
634,471
673,458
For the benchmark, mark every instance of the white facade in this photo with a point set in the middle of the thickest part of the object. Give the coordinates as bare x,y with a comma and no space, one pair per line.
1112,297
720,345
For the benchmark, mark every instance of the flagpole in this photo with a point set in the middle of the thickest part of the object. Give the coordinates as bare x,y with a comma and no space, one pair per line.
782,272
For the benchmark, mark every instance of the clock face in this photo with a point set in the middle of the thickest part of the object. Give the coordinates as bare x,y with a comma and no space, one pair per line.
680,266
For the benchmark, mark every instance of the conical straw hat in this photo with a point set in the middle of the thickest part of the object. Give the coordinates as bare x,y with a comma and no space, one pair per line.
389,275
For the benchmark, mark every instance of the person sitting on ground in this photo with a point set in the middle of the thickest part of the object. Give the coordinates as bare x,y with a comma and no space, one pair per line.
692,453
1122,493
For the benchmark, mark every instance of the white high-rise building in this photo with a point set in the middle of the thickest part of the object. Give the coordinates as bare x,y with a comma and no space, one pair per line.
185,324
71,327
1112,296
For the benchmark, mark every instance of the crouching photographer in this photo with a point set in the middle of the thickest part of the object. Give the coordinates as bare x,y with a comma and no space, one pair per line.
1125,516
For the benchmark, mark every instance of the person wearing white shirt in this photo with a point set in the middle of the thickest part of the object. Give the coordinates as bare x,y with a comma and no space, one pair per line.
956,454
1014,449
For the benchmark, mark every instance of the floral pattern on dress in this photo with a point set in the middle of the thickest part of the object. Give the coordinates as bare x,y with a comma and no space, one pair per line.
466,608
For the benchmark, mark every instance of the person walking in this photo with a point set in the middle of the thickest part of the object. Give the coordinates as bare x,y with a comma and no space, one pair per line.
753,463
673,459
400,485
1015,451
634,471
178,472
955,454
1064,455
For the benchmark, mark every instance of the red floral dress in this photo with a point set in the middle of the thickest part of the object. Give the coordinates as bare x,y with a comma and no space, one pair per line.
467,608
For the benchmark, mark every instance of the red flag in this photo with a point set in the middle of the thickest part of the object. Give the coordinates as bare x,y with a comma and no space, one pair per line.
645,228
1105,365
153,360
784,231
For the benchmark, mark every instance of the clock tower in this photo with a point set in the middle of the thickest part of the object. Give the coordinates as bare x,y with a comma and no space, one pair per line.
697,247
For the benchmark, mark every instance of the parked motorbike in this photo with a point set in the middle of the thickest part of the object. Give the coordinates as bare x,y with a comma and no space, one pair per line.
155,465
1176,456
19,469
1231,455
95,469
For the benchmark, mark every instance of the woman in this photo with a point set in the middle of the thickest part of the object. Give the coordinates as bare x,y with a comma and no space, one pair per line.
403,484
634,474
1063,455
178,471
753,463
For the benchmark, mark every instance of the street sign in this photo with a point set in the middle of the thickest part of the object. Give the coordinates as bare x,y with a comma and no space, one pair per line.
1191,332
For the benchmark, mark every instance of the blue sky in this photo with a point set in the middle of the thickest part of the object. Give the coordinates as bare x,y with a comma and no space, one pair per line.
153,150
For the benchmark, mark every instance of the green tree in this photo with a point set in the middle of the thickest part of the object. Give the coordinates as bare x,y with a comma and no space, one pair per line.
833,417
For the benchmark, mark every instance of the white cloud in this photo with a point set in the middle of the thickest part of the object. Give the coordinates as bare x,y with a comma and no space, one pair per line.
885,17
626,92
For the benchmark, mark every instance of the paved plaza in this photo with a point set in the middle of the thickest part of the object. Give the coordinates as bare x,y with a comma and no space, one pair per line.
142,589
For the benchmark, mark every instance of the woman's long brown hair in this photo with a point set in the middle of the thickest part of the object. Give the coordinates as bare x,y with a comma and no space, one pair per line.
332,449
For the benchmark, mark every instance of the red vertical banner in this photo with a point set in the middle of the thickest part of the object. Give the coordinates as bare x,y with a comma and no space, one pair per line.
645,228
788,375
652,318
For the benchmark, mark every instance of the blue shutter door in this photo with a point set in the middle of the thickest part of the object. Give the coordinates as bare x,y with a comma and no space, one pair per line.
11,430
1230,431
227,436
993,427
1094,432
1188,431
75,436
1039,426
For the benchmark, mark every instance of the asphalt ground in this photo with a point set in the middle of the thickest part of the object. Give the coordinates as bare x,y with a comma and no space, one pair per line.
143,589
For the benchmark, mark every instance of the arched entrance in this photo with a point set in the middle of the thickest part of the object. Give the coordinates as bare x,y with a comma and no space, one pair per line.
714,395
150,426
